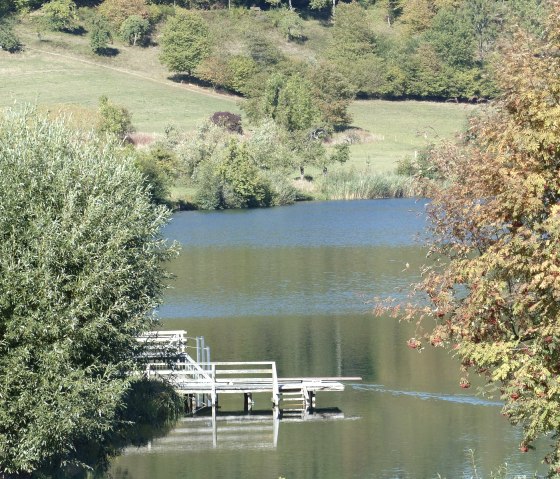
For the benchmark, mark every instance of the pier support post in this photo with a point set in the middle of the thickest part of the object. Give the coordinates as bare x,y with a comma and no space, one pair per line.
311,400
190,403
247,402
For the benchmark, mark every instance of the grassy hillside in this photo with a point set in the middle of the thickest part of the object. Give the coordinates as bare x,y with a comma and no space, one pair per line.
59,69
51,79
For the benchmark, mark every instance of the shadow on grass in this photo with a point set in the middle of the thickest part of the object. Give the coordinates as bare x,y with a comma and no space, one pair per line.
191,80
107,52
79,30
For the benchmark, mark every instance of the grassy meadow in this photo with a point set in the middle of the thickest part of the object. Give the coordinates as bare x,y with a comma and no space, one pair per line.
52,79
60,70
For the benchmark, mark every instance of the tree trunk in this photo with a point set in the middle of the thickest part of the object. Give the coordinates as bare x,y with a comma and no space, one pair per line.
302,173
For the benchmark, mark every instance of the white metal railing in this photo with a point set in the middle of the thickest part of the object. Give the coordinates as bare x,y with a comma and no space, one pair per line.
166,357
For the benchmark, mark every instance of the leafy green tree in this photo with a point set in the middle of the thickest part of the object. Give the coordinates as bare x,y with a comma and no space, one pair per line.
231,180
243,184
114,120
24,5
353,49
353,32
134,29
59,14
333,95
452,37
81,269
417,15
99,35
484,17
529,14
159,165
117,11
393,10
287,100
291,25
494,287
322,4
185,42
233,72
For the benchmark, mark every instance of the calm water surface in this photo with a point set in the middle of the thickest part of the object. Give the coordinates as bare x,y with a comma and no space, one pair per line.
294,285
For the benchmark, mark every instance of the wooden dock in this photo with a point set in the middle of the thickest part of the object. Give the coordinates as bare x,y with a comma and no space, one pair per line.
202,381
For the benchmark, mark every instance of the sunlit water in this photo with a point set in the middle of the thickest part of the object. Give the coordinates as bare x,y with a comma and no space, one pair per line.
295,285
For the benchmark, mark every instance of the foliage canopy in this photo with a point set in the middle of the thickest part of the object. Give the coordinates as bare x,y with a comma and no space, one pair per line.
80,272
494,288
185,42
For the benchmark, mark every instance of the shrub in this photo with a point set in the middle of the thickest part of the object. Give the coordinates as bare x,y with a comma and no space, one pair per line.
159,167
134,29
231,180
230,121
59,14
114,120
282,190
232,72
117,11
99,35
8,39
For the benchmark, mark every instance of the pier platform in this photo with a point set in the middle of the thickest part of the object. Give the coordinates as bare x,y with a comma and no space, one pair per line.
201,381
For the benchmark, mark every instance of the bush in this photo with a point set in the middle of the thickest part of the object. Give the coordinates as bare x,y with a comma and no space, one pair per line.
231,180
134,29
282,190
117,11
100,36
420,166
240,69
8,39
232,72
59,14
159,167
230,121
114,120
152,402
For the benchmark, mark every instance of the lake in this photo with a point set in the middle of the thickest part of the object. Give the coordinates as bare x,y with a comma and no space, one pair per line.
295,285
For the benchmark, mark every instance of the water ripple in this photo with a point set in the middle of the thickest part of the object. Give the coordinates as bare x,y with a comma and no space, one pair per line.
456,398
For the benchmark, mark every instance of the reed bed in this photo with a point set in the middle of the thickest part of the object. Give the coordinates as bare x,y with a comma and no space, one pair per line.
364,185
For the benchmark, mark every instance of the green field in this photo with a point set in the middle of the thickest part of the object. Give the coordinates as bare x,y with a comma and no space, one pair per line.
48,73
50,79
400,128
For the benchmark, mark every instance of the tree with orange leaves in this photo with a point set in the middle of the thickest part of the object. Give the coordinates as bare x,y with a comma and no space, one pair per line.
493,288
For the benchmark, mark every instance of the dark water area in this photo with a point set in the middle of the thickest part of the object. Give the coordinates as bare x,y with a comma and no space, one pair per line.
295,285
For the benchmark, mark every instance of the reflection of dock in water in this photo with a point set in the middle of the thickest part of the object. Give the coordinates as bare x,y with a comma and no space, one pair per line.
201,381
229,431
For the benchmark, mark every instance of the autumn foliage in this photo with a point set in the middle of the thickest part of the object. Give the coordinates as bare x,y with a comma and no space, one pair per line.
493,288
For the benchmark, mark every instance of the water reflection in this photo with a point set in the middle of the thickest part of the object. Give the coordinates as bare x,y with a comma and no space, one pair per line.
231,430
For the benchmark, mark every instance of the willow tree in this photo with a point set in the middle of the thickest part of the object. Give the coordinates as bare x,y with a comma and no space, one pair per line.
80,273
493,290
